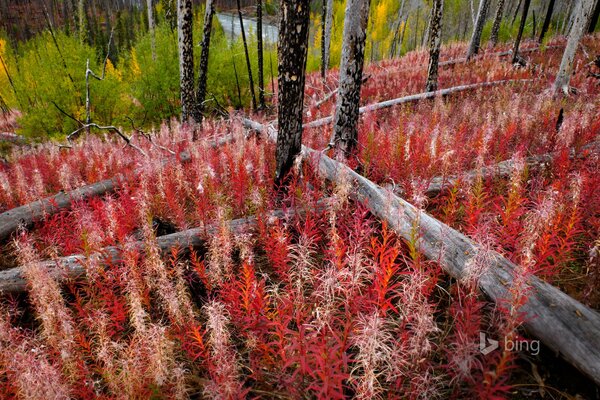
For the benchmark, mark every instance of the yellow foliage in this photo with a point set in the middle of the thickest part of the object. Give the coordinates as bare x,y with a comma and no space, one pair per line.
112,71
135,66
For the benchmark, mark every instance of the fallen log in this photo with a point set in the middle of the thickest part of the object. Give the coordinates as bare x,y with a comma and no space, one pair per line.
566,326
334,92
27,214
499,54
73,267
502,169
417,97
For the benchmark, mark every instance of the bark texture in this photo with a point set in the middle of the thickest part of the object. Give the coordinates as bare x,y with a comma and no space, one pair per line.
259,43
203,68
515,57
151,28
292,51
594,19
497,22
475,42
581,18
345,129
326,35
435,42
186,57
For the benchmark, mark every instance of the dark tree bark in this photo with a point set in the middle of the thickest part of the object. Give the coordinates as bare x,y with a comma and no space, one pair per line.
435,41
248,65
326,35
345,129
292,48
397,25
581,17
259,43
595,15
497,22
547,20
515,57
478,29
186,57
203,69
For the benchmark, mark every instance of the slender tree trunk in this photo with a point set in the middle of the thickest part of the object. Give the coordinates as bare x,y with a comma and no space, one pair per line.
435,41
397,25
516,12
203,69
81,21
292,49
248,65
547,20
478,29
345,130
326,39
497,22
594,19
186,58
151,28
259,43
581,19
515,57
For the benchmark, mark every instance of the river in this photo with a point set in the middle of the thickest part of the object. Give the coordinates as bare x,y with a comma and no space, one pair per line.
231,26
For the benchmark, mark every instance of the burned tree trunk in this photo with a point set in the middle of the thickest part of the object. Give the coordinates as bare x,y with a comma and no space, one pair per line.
259,51
345,129
292,49
203,69
515,57
151,28
582,15
248,65
186,57
326,35
497,22
435,41
547,20
478,29
594,19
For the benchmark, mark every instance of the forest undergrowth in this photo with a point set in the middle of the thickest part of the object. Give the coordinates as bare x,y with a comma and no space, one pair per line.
323,300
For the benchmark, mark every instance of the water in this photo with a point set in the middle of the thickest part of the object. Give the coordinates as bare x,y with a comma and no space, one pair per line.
231,26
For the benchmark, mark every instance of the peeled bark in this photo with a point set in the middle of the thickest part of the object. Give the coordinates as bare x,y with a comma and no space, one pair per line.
435,42
566,326
326,35
203,69
520,33
497,22
478,29
292,49
248,64
151,28
547,20
345,129
186,58
582,15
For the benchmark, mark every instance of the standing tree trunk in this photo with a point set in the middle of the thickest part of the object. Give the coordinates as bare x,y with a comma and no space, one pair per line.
259,50
345,129
515,57
497,22
478,29
594,19
326,35
547,20
397,25
203,69
292,49
248,65
82,28
151,28
435,41
582,15
186,58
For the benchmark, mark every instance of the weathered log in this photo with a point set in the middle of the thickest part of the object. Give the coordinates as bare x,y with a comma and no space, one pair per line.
27,214
562,323
502,169
74,266
417,97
